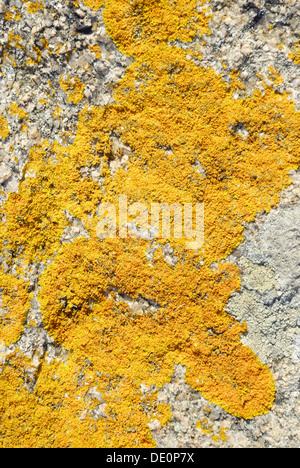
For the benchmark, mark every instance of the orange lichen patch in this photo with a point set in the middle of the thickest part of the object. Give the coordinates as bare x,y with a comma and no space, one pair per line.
16,110
205,428
208,429
33,7
96,50
57,113
14,40
21,114
73,88
226,367
17,16
193,53
274,76
2,354
35,221
48,407
14,306
14,15
295,55
138,26
180,122
77,299
222,434
24,127
172,110
94,4
35,58
8,15
59,412
4,129
52,89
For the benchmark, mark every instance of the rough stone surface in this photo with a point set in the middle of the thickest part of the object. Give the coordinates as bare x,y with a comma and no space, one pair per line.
251,37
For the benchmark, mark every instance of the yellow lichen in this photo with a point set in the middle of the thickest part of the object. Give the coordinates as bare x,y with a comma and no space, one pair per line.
13,41
96,50
52,88
205,427
17,16
295,55
174,117
4,129
208,429
33,7
35,57
141,27
94,4
23,127
222,434
73,88
15,303
8,16
57,113
18,111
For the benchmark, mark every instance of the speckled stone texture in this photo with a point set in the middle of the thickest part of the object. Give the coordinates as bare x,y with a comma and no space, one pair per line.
247,36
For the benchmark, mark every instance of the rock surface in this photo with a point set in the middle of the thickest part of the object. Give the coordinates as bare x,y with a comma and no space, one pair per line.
59,40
